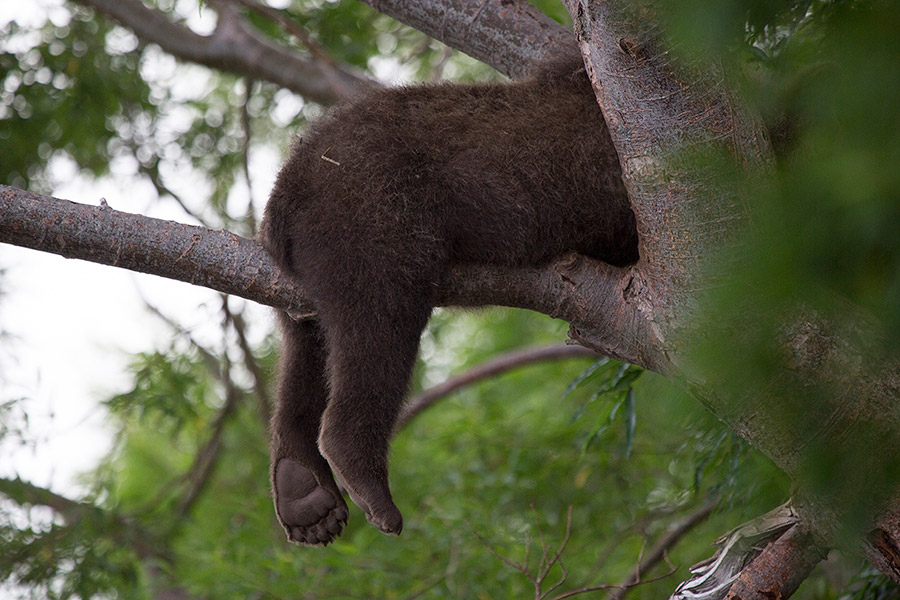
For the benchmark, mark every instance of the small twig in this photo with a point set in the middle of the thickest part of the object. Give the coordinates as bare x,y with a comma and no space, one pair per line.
245,152
199,473
206,459
611,586
557,558
438,71
663,545
434,582
546,563
259,379
162,189
509,563
329,159
209,359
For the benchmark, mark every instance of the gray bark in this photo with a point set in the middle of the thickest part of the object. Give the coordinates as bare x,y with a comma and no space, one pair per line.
656,108
235,47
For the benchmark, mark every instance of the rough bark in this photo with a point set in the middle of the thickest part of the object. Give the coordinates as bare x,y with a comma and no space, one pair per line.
779,570
508,35
657,107
229,263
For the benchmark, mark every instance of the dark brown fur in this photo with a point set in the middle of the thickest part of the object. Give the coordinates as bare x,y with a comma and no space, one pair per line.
379,199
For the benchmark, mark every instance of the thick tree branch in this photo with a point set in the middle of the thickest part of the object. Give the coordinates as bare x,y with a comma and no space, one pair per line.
509,36
674,124
670,121
575,288
215,259
236,48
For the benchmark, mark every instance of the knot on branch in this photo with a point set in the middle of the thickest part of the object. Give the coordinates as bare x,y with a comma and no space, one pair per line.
569,266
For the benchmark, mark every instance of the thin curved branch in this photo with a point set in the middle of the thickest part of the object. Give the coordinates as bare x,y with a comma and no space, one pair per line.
236,48
264,402
281,17
250,217
571,289
198,476
71,511
511,37
505,362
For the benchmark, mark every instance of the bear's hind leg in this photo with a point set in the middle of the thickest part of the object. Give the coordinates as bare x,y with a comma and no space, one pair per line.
307,500
371,355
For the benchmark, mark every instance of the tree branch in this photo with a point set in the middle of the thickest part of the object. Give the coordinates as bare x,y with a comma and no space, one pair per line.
218,260
663,114
662,546
581,291
509,36
263,401
199,474
123,531
236,48
71,511
505,362
671,123
780,569
22,492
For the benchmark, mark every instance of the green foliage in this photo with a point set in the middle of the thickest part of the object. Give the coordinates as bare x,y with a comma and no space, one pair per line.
70,90
554,9
825,75
824,239
870,584
615,387
86,553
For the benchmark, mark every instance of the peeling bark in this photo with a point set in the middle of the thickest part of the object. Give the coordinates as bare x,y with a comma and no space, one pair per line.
779,570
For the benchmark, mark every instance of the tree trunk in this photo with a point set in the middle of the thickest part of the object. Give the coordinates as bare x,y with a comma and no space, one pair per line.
663,115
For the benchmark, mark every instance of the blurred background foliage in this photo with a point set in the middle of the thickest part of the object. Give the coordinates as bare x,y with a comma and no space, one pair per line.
181,504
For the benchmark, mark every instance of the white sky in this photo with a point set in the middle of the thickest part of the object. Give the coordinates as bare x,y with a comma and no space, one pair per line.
74,324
